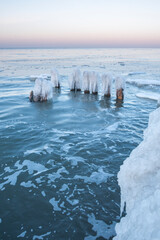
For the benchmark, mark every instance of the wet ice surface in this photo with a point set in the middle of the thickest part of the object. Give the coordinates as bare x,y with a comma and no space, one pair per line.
59,160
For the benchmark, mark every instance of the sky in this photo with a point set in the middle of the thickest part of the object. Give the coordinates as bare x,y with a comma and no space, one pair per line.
79,23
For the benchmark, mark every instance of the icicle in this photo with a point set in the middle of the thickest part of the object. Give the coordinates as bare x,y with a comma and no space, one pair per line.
86,82
75,81
106,84
93,79
55,78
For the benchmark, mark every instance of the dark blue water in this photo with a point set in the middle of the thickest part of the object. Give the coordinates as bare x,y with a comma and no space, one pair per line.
59,160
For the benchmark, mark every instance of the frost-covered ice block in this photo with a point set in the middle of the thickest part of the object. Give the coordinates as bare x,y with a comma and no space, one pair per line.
42,91
119,84
55,78
93,80
139,180
86,82
75,81
106,84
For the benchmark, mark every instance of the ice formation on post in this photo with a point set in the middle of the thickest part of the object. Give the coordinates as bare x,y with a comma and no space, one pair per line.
119,84
106,84
86,82
55,78
42,91
93,80
75,81
139,180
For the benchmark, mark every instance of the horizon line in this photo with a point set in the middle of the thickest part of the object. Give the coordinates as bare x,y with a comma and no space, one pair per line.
80,47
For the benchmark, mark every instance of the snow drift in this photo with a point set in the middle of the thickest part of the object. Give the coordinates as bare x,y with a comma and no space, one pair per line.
139,179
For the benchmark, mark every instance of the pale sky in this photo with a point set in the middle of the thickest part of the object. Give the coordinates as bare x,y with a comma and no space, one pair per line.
79,23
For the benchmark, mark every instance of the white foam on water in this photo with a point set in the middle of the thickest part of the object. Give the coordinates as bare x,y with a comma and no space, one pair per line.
101,228
64,188
73,202
41,237
113,127
55,204
43,193
139,180
22,235
66,147
28,184
96,177
11,179
40,150
52,177
32,167
75,160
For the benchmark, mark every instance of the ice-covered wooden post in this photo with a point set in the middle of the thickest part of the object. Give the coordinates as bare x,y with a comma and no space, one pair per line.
106,85
55,78
86,82
93,79
42,91
75,81
119,83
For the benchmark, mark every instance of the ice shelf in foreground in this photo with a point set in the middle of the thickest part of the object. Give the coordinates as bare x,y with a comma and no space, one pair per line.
139,180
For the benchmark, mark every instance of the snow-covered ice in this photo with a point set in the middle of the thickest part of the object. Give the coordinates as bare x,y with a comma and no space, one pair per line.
139,179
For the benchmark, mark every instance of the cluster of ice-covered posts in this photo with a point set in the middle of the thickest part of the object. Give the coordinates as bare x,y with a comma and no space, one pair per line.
87,82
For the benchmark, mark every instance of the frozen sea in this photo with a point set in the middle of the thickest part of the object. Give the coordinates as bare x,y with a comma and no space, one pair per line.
59,160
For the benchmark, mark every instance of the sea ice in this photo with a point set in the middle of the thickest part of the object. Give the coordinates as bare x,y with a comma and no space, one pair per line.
139,179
